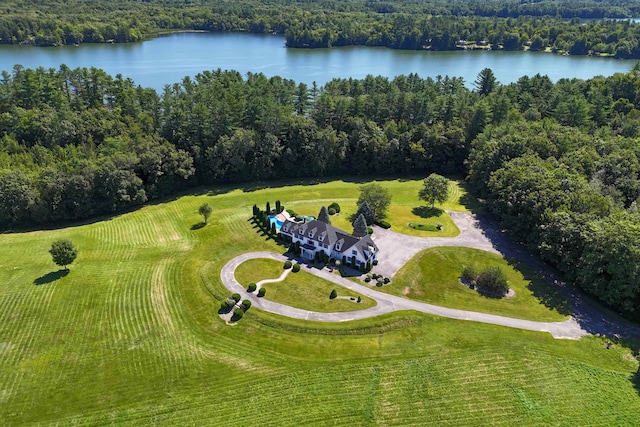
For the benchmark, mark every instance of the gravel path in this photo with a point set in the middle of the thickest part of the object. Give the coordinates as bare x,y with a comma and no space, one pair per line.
397,249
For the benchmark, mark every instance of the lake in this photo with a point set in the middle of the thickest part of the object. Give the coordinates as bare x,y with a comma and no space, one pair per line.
167,59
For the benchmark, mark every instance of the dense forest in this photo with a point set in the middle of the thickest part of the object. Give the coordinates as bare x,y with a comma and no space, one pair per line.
557,163
400,24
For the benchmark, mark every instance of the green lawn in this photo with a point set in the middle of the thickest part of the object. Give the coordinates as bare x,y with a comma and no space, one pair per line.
405,208
433,276
131,336
308,292
254,270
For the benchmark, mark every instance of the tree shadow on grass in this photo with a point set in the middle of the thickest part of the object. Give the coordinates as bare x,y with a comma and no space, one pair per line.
198,226
427,212
546,294
50,277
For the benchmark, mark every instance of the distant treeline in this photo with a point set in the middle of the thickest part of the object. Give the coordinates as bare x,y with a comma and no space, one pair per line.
417,24
558,164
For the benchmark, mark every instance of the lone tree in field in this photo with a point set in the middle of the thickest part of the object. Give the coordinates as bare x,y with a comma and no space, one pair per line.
205,210
360,226
435,189
63,253
378,198
323,216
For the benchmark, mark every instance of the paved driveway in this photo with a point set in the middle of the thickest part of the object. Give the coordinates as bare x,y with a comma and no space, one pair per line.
396,249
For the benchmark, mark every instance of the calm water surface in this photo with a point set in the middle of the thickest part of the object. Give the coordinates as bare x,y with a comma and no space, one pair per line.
168,59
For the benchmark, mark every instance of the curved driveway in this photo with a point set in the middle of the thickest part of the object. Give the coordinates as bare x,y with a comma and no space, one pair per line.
396,249
386,303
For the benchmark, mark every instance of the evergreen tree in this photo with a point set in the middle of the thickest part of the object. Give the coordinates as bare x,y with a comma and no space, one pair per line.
365,210
323,216
360,226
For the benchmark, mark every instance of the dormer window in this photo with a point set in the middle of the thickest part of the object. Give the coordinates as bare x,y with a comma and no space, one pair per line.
322,236
312,233
339,244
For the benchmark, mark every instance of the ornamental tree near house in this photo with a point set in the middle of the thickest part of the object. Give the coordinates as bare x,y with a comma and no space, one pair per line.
378,198
365,210
360,226
323,216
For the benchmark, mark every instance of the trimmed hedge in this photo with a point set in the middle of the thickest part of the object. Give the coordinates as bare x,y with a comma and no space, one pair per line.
236,297
287,265
246,304
251,287
296,268
382,223
261,292
237,314
335,207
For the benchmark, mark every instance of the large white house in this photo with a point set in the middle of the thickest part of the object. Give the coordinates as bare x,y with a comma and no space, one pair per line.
315,236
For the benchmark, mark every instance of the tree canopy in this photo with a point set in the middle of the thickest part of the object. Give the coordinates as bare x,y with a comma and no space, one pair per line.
205,211
435,189
360,226
323,215
377,198
63,253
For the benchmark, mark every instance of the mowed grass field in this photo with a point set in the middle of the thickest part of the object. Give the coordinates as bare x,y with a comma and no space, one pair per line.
131,336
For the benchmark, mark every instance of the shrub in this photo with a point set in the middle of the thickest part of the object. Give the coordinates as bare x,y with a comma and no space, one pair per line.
359,299
296,267
370,230
287,265
236,297
439,227
386,280
246,304
333,294
375,262
332,211
469,275
292,213
374,276
261,292
335,207
493,279
251,287
379,284
367,279
237,314
383,224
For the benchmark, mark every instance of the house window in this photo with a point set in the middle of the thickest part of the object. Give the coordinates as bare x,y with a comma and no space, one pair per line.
354,252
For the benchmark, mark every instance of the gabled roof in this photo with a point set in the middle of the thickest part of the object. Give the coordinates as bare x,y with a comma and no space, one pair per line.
314,229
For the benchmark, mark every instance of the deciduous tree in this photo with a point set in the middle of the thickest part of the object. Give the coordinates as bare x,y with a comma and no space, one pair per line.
63,253
435,189
205,210
378,198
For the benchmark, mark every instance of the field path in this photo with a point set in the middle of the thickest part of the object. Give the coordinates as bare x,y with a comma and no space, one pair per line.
396,249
